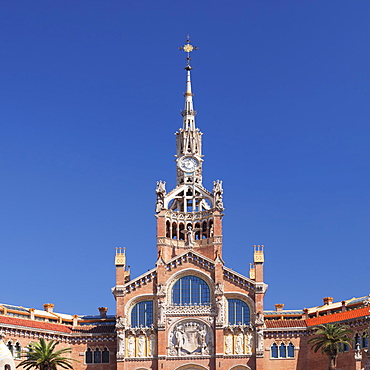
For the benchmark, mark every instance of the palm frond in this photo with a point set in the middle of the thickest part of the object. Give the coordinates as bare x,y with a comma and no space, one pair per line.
43,355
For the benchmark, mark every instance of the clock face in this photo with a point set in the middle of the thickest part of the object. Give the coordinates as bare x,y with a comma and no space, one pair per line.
188,164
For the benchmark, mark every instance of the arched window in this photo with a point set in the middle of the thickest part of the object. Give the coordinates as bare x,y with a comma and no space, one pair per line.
174,230
274,351
7,367
142,314
10,347
282,350
105,356
238,312
190,290
204,230
17,351
168,227
181,232
97,356
88,356
197,231
365,340
357,340
291,350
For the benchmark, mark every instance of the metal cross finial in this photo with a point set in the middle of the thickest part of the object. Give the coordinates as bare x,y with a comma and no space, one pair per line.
188,48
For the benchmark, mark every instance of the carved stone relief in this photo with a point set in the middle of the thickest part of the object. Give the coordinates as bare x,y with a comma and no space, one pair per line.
152,345
248,343
229,344
239,341
259,340
121,343
190,310
141,346
220,311
239,344
161,313
260,318
161,290
120,323
140,343
189,338
219,288
131,346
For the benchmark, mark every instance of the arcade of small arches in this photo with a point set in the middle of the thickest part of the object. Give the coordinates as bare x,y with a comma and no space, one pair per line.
97,356
282,350
15,350
177,230
361,340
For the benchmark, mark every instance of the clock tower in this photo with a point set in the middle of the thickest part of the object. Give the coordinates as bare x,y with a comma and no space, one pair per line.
189,216
190,312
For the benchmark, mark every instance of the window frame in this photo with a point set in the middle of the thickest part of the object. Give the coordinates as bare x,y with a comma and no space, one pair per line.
286,349
232,312
142,314
198,293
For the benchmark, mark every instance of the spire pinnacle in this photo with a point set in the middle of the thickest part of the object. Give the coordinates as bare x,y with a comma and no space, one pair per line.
188,113
188,48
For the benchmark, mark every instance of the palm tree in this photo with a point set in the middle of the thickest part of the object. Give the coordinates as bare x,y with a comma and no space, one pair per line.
331,338
43,356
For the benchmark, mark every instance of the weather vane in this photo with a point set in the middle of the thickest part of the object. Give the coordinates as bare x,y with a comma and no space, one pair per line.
188,48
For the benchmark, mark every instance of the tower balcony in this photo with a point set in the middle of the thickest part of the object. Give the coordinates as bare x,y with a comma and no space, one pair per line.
184,244
209,247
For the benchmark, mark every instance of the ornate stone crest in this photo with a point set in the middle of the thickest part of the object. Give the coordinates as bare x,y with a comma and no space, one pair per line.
189,338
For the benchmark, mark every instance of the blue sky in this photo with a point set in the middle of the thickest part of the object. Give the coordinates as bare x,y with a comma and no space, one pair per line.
90,96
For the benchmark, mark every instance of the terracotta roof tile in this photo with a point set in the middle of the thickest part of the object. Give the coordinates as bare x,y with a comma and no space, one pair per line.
275,324
340,316
99,329
34,324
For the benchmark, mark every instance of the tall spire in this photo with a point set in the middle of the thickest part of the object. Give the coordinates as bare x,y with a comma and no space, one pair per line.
189,216
188,113
189,138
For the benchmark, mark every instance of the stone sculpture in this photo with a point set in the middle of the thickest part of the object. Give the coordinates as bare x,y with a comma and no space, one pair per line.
260,340
161,192
131,346
121,343
239,344
152,345
249,343
229,344
141,346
